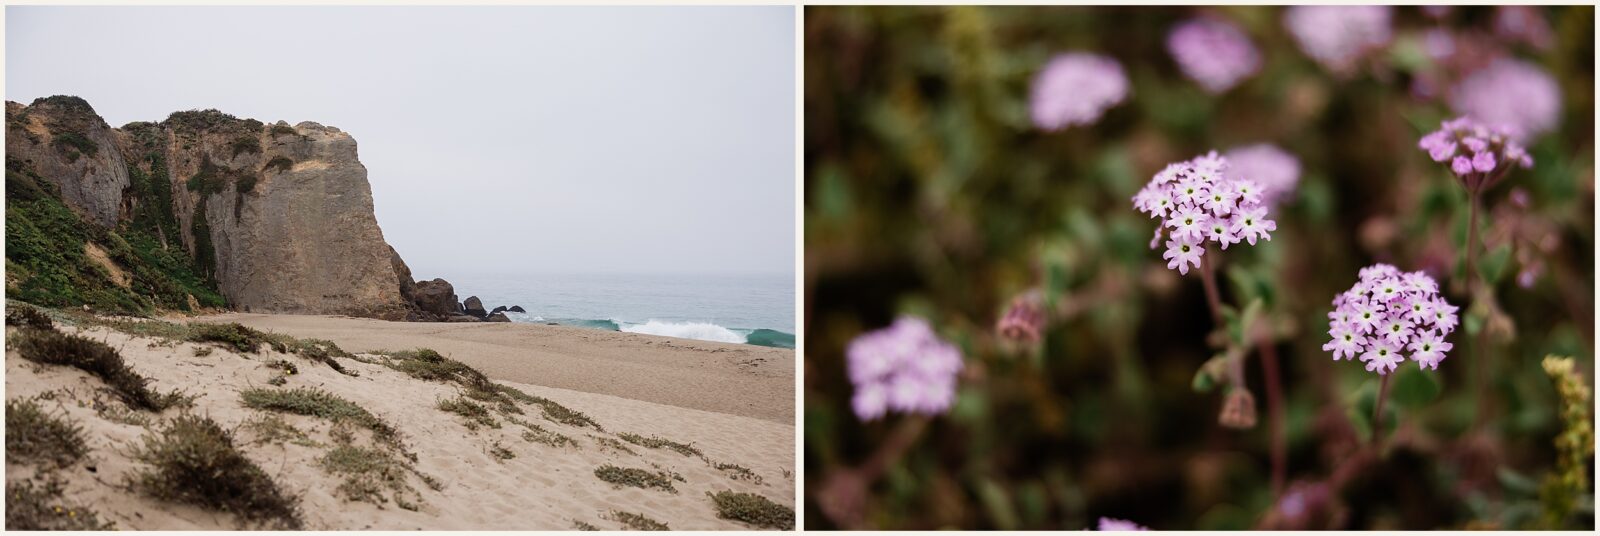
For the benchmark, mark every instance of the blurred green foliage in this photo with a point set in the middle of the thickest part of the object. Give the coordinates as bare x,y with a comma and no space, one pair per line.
928,192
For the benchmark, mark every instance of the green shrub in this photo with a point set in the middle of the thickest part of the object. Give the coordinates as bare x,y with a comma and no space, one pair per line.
580,525
74,144
38,505
753,509
538,434
231,335
283,130
97,359
612,443
318,403
474,413
245,144
192,460
655,442
738,472
370,475
279,163
27,316
45,259
638,478
634,521
36,437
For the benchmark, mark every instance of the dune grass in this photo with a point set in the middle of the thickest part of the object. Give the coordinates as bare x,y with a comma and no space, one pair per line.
193,460
655,442
39,438
27,316
322,404
638,478
753,509
475,414
632,521
370,475
97,359
37,504
738,472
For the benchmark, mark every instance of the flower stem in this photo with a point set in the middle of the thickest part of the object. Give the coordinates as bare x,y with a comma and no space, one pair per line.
1208,276
1480,359
894,447
1269,368
1377,412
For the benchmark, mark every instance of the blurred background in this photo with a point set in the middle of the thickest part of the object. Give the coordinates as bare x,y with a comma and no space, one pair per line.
930,192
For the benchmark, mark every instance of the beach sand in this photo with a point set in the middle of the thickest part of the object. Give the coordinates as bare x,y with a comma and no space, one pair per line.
733,403
737,379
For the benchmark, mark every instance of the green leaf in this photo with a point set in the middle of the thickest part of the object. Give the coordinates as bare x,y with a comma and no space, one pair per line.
1413,387
1493,265
1203,382
1516,483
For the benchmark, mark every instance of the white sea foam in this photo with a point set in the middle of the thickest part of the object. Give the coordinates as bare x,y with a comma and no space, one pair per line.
686,330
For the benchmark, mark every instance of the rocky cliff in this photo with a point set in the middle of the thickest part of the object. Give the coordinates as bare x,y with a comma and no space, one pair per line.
274,218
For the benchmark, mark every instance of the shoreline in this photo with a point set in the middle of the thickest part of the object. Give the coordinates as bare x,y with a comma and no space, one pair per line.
731,378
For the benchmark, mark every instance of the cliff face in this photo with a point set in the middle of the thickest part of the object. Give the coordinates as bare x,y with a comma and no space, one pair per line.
277,218
70,146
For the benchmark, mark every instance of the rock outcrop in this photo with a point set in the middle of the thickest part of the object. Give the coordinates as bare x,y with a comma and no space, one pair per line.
435,300
474,307
278,218
65,142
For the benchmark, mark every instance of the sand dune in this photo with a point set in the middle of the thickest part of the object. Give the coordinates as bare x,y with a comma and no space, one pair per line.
686,391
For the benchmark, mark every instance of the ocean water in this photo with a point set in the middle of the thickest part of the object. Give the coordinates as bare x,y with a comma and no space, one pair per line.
750,309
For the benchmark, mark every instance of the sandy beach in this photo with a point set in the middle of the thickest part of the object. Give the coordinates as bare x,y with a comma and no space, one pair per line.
737,379
732,403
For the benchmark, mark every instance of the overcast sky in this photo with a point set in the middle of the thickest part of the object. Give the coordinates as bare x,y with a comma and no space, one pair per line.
497,139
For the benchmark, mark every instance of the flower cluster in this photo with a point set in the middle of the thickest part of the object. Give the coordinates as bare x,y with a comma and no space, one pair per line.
1198,202
1274,169
1512,94
1388,314
1474,151
1109,524
1075,89
1214,53
1024,320
904,367
1338,36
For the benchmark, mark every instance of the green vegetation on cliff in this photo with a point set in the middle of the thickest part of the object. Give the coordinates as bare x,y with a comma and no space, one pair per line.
48,260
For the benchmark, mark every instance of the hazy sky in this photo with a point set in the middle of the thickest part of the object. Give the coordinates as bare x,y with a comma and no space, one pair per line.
497,139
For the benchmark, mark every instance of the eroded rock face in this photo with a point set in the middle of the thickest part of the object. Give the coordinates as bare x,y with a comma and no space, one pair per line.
280,217
292,229
66,143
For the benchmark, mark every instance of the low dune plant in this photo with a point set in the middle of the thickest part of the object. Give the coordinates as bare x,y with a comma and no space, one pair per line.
370,475
319,403
632,521
97,359
612,443
638,478
36,437
193,460
538,434
655,442
27,316
37,504
475,414
272,429
231,335
753,509
738,472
